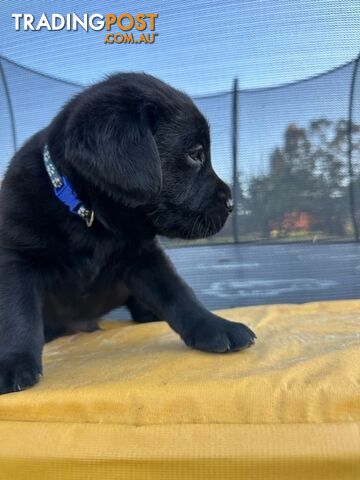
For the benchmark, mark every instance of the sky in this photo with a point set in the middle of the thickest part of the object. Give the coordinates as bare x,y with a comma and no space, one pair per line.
202,45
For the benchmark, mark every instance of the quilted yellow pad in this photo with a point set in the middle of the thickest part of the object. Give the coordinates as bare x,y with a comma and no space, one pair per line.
132,402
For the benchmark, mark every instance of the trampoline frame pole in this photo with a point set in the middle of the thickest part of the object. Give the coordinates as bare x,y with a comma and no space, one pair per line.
10,106
350,150
235,93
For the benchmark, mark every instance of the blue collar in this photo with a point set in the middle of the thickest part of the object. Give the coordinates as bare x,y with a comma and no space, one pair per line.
64,191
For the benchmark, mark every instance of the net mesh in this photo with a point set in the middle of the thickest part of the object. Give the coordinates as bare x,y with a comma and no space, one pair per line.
293,161
298,178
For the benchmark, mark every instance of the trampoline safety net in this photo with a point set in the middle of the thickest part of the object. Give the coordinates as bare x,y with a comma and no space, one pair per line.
290,153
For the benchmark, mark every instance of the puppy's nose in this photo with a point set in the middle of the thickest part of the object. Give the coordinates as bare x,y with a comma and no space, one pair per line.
229,205
224,195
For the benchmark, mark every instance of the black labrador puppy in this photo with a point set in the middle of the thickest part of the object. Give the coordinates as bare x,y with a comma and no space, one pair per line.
80,207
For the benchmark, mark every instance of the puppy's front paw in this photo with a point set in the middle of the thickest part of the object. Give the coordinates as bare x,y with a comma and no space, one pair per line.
218,335
17,372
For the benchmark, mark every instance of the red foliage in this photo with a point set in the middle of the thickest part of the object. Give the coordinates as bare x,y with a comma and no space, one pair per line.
295,221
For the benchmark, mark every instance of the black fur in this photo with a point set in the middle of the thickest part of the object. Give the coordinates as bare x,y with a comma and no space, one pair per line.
124,144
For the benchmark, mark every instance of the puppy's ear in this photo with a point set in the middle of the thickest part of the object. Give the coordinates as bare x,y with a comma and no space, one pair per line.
117,152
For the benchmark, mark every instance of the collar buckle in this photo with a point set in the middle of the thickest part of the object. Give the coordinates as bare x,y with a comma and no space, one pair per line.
67,195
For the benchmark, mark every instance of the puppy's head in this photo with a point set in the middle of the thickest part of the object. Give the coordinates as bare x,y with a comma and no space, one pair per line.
148,146
193,202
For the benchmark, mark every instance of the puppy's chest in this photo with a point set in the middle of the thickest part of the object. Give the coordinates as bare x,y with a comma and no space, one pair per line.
87,269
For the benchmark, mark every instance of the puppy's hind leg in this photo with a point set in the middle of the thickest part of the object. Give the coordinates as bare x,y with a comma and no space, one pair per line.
51,332
139,312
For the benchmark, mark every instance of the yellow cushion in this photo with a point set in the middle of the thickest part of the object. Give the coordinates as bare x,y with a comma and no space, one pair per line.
132,402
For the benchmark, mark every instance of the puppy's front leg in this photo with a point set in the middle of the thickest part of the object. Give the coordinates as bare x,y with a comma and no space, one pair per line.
154,281
21,328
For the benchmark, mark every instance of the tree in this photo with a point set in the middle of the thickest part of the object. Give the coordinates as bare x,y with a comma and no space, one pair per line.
308,178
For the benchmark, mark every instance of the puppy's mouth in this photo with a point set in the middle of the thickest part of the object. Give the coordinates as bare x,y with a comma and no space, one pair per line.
205,226
186,224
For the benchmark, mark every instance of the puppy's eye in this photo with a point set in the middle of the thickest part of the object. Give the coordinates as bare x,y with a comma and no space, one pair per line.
196,155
